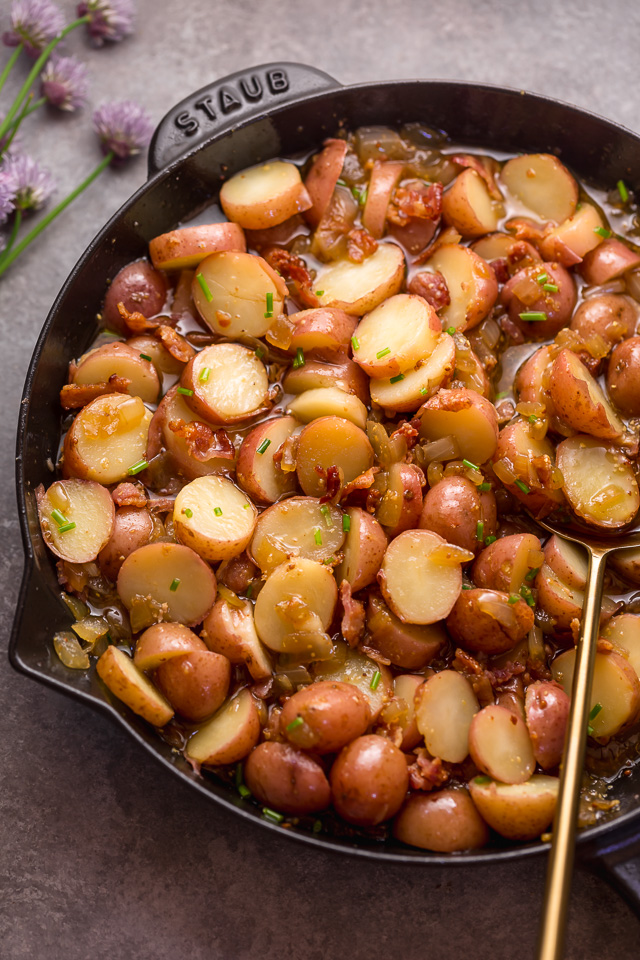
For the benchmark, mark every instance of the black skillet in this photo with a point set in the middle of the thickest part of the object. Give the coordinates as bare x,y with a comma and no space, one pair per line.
273,110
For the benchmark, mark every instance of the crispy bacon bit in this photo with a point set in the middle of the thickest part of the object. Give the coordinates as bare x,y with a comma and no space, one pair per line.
482,169
423,202
360,245
476,674
432,287
522,251
334,480
353,617
503,675
427,773
374,654
203,443
525,229
362,482
409,430
179,348
74,395
129,494
161,505
262,690
500,267
136,322
294,270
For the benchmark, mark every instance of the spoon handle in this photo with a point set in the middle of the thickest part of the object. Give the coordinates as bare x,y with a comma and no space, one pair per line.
559,870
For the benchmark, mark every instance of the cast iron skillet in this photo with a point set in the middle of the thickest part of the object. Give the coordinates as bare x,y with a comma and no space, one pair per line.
279,109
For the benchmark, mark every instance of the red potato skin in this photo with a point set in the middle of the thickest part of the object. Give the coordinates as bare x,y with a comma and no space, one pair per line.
237,573
572,402
286,779
346,375
166,639
204,240
333,325
476,630
195,685
538,499
406,645
333,714
133,527
458,399
245,475
369,781
546,714
372,545
453,509
609,260
611,316
141,288
322,178
493,567
623,377
411,479
384,178
557,306
444,821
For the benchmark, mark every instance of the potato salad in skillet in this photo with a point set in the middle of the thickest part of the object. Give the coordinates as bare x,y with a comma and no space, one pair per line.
300,467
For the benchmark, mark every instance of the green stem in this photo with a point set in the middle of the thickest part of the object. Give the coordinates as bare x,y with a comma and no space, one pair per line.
37,67
26,110
12,239
40,226
9,64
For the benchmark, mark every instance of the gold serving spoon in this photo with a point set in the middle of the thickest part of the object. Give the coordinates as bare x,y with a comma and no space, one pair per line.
560,866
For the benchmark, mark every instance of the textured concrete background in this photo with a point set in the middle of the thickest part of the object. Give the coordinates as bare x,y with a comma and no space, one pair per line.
101,855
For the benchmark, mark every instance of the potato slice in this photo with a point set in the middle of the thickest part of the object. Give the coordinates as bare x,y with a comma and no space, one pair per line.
518,811
465,415
106,438
166,581
146,345
540,314
363,550
382,182
321,328
467,205
297,527
264,195
214,518
322,178
567,560
328,402
486,621
238,293
624,632
396,335
542,184
162,642
406,392
196,685
77,518
228,383
372,679
331,442
359,287
231,631
506,563
229,736
563,603
257,472
456,510
574,238
500,745
126,682
623,374
471,282
445,705
407,645
547,712
188,246
579,399
523,462
172,409
444,821
616,689
346,375
295,607
133,528
424,558
627,564
599,482
123,361
609,260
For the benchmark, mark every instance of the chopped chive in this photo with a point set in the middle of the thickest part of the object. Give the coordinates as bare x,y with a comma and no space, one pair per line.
532,418
239,774
383,353
525,591
469,465
354,343
188,513
249,591
550,287
521,485
479,530
319,293
484,488
341,183
299,360
602,232
70,525
317,536
263,446
270,302
185,391
533,315
466,586
502,394
137,468
244,791
542,278
260,352
375,680
59,517
489,540
297,722
329,560
346,522
397,379
595,711
423,391
270,814
145,356
317,826
324,510
532,574
451,331
512,598
217,511
204,286
481,780
622,190
247,506
204,374
175,583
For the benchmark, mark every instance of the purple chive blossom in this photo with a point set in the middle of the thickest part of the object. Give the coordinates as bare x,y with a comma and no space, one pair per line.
110,20
30,184
6,198
34,23
123,128
64,83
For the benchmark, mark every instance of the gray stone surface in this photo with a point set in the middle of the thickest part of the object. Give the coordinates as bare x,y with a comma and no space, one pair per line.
100,854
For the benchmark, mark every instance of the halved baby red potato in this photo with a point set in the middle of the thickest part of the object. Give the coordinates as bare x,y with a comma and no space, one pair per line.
610,259
331,442
258,471
229,735
195,684
489,621
299,527
457,511
316,374
401,504
106,439
407,645
467,417
295,607
468,206
540,299
574,238
507,563
500,745
524,463
350,665
395,336
286,779
320,181
77,518
472,285
225,383
140,288
325,716
547,713
124,361
328,402
579,400
213,517
186,247
128,683
362,550
444,821
599,482
325,330
357,288
238,293
407,391
616,690
164,641
445,705
369,781
560,584
624,632
384,178
133,527
229,629
517,811
149,347
405,686
264,195
542,184
623,376
610,317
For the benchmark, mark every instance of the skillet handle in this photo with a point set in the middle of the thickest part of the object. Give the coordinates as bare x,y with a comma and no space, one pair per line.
223,104
619,864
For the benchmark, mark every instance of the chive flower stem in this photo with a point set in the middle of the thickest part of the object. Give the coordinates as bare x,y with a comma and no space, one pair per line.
10,64
17,220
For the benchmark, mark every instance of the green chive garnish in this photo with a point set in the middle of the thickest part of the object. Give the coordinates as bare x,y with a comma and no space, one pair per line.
469,465
502,394
451,331
397,379
346,522
270,814
263,446
70,525
622,190
217,511
423,391
532,574
319,293
542,278
489,540
249,591
299,360
466,586
481,780
550,287
521,485
244,791
341,183
259,352
137,468
324,510
204,286
533,315
185,391
145,356
59,517
513,599
204,374
479,530
484,488
602,232
188,513
375,680
382,353
532,418
175,583
317,536
354,343
295,724
269,310
317,826
595,711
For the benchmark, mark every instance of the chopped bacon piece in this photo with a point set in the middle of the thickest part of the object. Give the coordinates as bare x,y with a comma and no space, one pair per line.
476,674
423,202
521,251
503,675
525,229
136,322
179,348
360,245
293,269
432,287
409,430
203,443
353,617
500,267
427,773
74,395
128,494
374,654
334,480
361,482
161,504
482,169
262,690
